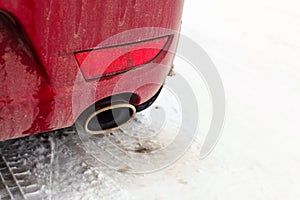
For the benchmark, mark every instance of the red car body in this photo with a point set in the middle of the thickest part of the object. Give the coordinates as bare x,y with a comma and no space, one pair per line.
38,67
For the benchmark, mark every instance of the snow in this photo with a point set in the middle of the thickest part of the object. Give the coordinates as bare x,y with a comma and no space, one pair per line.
255,47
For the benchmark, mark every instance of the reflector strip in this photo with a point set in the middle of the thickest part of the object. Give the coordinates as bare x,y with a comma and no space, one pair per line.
113,60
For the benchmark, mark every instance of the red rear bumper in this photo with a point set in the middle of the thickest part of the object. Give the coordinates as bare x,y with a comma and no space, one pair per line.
41,88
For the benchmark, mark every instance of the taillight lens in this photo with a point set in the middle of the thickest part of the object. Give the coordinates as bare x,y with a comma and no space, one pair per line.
113,60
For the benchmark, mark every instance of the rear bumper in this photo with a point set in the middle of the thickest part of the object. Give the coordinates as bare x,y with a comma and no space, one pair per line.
53,33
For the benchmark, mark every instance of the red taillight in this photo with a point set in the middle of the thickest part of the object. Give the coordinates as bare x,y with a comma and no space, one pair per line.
113,60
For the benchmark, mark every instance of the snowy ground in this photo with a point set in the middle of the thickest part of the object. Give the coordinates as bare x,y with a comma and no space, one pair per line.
255,46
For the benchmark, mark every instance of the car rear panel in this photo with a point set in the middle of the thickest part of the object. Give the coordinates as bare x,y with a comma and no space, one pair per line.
55,30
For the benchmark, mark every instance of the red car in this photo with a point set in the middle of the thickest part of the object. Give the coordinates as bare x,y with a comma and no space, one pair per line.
90,62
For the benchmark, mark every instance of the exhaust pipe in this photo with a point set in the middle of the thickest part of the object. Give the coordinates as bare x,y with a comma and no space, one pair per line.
109,118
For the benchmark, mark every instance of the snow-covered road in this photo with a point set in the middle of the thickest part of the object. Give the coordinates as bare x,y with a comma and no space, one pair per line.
255,46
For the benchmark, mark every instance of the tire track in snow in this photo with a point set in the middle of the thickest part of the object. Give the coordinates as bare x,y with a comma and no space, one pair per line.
54,165
9,180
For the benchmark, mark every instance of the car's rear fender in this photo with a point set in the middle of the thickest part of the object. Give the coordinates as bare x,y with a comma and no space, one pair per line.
24,91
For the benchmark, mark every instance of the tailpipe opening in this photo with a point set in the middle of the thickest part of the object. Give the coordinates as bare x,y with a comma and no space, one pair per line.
109,118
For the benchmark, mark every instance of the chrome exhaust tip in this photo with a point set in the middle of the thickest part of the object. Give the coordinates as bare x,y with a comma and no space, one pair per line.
109,118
